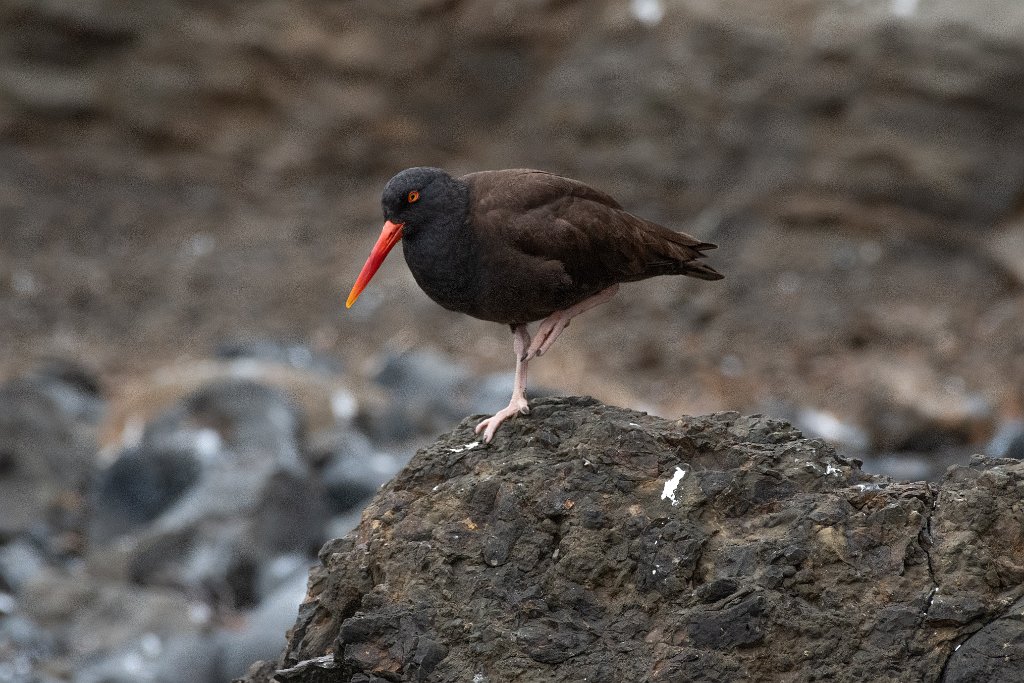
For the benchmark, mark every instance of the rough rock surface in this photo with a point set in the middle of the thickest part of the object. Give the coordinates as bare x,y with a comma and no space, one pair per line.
601,544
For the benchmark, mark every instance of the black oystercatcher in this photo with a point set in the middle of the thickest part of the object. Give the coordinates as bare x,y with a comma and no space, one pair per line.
517,246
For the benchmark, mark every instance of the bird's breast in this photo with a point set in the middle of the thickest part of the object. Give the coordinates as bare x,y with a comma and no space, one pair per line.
449,276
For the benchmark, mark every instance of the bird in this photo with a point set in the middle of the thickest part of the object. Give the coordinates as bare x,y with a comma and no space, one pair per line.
518,246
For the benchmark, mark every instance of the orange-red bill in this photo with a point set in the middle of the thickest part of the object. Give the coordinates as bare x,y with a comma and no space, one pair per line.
389,237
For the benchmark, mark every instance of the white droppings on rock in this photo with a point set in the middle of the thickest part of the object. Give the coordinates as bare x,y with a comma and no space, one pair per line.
468,447
831,469
669,492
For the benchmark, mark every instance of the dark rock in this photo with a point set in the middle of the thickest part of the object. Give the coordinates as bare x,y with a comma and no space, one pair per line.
92,617
393,641
1008,440
264,627
289,515
75,389
995,654
292,355
717,589
23,645
216,490
218,539
726,548
419,373
137,487
257,423
954,610
47,445
137,659
738,626
353,469
428,392
224,653
1015,449
19,562
916,410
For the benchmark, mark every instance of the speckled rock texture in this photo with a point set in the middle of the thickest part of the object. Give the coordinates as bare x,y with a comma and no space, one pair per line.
595,543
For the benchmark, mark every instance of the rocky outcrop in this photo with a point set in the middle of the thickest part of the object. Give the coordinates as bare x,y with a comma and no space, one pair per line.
595,543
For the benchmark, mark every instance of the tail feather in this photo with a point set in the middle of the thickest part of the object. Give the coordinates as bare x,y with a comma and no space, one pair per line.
687,253
700,270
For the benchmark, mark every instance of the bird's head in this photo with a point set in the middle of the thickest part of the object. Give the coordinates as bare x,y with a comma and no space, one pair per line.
411,199
415,195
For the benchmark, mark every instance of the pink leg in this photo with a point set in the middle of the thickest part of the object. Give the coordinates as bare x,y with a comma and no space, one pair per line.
553,325
520,340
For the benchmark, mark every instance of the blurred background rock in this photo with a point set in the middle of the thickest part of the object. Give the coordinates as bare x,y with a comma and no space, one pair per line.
188,190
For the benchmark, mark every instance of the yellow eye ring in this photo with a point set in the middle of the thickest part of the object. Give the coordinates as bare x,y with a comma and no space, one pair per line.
413,197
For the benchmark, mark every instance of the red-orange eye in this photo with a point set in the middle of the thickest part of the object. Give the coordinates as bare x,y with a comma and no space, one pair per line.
414,196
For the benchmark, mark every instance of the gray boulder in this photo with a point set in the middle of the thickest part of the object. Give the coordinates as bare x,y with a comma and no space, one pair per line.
47,444
216,489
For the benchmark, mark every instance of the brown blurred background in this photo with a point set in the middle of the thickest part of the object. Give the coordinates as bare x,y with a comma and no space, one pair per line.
174,174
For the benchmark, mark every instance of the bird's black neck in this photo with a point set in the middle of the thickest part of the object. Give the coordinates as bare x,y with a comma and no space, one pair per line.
442,252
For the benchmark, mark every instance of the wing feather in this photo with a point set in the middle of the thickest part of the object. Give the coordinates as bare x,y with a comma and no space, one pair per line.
596,242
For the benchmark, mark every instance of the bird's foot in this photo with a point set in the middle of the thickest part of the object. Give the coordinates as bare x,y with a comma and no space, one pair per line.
547,333
491,424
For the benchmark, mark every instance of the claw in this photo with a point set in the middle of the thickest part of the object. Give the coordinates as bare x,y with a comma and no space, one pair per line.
491,424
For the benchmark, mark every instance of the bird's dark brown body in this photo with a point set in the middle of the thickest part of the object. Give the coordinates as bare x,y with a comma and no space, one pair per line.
529,243
519,245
